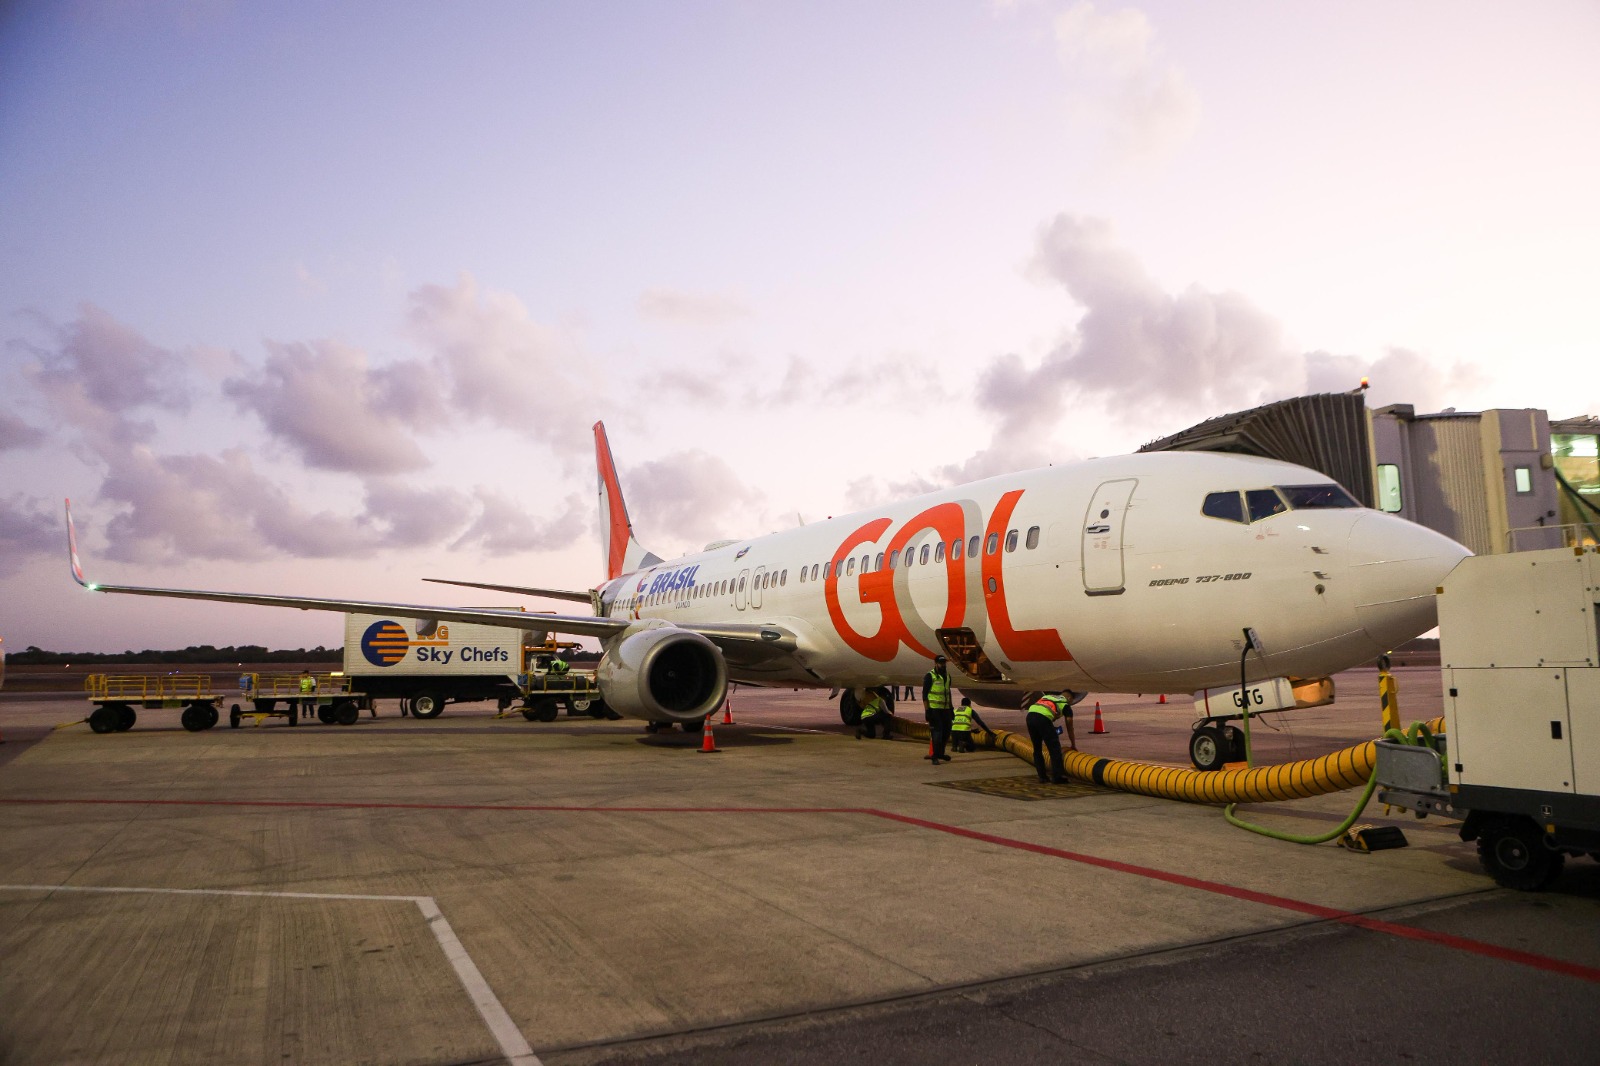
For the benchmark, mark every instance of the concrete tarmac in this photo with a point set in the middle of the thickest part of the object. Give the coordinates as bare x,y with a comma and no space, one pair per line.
477,890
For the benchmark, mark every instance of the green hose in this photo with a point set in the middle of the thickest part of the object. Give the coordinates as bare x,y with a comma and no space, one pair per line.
1413,735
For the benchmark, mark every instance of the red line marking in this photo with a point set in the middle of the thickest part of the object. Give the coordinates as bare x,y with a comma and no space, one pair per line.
1267,899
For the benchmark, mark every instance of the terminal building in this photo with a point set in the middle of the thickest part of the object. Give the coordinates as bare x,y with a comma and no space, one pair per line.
1496,481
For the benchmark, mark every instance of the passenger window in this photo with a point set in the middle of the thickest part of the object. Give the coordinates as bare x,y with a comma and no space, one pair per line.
783,578
827,570
894,558
866,564
803,575
922,556
1264,503
1033,538
1223,505
878,565
1011,541
972,546
850,565
741,584
955,549
938,552
992,545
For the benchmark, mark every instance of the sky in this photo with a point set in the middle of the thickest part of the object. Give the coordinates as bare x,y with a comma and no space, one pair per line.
324,299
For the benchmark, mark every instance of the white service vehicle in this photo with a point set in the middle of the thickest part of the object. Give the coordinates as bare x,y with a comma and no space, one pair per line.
1519,643
431,664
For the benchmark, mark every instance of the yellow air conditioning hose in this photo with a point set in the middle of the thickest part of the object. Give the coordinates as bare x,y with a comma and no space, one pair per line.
1350,768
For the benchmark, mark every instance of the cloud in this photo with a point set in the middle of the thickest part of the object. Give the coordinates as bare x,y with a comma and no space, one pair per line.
96,371
1121,83
325,403
503,527
676,307
898,379
27,528
17,434
690,495
501,365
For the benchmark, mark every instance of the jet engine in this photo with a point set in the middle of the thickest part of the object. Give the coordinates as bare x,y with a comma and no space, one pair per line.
662,674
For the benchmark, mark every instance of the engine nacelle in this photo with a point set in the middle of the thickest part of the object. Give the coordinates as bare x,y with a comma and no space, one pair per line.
662,674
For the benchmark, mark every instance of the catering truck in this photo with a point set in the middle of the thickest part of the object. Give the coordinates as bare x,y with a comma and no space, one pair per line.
1519,765
430,664
427,665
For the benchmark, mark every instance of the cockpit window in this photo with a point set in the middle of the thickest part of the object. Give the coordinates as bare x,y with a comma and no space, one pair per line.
1264,503
1309,497
1223,505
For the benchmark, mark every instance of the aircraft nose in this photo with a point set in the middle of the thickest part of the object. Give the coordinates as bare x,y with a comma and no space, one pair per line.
1396,566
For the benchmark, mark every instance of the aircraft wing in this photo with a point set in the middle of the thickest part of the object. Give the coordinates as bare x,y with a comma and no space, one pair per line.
740,641
521,590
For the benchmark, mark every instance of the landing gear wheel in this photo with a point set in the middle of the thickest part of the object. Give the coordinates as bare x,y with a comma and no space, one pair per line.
427,705
345,712
104,720
1206,749
849,709
1512,851
234,717
193,718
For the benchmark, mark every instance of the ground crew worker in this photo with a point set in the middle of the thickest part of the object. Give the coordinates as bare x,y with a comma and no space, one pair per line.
558,665
936,709
1043,710
308,688
873,714
966,716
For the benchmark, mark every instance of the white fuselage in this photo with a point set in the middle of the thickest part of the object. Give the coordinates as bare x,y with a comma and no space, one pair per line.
1102,575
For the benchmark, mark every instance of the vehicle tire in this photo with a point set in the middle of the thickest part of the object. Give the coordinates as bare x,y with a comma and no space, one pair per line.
579,705
325,714
427,705
234,717
545,709
345,712
1206,749
212,715
1233,740
193,718
104,719
849,709
1512,851
126,716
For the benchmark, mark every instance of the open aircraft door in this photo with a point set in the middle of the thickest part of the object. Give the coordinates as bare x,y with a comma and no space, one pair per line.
1102,537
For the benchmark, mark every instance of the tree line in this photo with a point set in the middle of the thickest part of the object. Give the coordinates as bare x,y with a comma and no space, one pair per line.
202,653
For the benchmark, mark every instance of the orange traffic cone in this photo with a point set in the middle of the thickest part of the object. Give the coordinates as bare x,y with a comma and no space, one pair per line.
1099,726
1163,698
708,741
727,712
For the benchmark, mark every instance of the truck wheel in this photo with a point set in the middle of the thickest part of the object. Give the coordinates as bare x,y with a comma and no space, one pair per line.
1512,851
1206,749
104,719
193,718
212,715
126,716
427,705
346,712
579,704
325,714
545,710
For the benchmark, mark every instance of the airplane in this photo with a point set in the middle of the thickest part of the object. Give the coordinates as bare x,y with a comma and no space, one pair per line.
1136,574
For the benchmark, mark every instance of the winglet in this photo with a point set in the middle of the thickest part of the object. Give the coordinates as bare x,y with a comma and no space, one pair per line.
72,551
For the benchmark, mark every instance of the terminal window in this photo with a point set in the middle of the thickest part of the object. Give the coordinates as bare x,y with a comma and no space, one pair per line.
1524,480
1389,498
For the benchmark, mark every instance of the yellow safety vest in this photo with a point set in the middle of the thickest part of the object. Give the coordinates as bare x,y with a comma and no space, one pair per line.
1048,707
938,691
308,685
963,723
873,704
